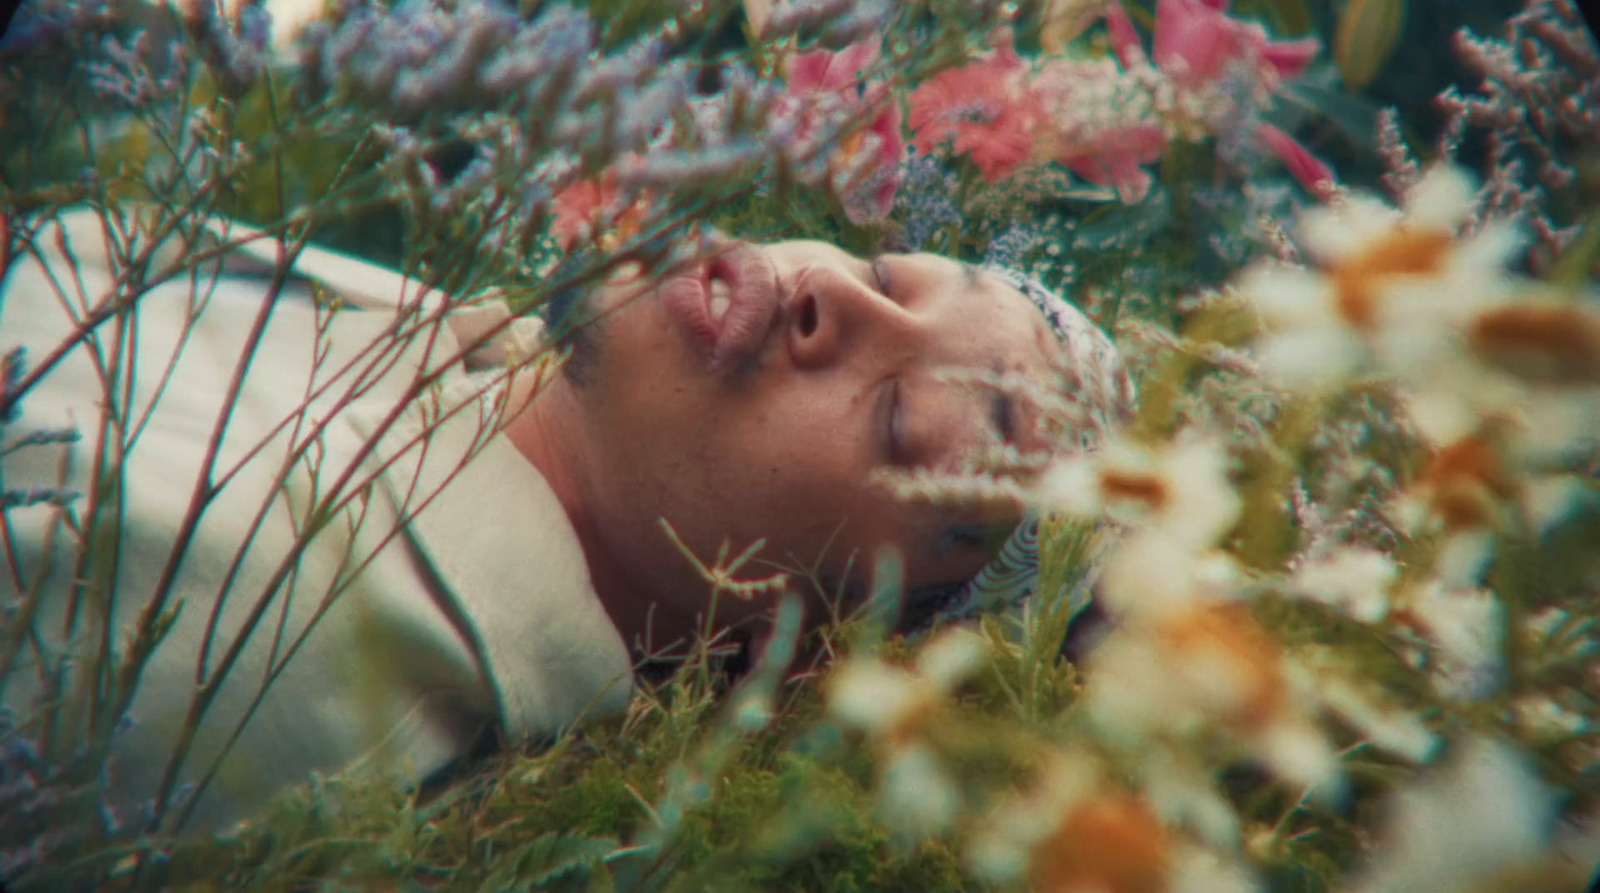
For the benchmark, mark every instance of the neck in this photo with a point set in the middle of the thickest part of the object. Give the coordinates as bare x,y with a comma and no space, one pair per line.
552,433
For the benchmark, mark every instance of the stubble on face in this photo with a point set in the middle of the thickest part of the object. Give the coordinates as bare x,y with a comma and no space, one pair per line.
573,324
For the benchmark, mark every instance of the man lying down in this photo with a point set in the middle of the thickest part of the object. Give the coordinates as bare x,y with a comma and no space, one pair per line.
367,559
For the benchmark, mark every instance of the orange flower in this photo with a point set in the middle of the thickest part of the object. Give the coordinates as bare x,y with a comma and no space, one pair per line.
593,209
1465,482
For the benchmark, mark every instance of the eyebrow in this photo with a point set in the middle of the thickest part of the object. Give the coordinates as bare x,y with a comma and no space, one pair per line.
962,535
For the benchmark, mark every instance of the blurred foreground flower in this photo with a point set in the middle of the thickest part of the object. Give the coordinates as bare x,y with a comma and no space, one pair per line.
1388,289
894,706
594,210
1471,828
1074,831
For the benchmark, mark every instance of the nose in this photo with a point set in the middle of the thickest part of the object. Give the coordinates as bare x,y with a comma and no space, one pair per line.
833,313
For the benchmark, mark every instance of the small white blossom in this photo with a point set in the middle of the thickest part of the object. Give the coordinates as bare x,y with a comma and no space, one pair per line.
1356,581
916,795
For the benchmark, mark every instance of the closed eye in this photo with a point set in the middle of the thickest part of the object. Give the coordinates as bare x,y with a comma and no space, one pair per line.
1003,414
878,272
895,433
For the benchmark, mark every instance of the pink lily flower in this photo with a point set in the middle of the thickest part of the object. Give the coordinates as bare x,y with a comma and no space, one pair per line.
823,74
1196,41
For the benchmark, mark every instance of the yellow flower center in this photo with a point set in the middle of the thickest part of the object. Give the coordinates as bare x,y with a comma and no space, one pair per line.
1111,843
1404,252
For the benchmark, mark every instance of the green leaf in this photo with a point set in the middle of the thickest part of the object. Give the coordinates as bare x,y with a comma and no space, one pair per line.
1572,268
547,858
1367,35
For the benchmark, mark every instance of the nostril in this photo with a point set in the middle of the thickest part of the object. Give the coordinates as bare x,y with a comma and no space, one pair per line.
808,316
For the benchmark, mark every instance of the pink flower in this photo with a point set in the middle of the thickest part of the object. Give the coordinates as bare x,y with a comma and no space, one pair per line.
1196,42
825,76
984,107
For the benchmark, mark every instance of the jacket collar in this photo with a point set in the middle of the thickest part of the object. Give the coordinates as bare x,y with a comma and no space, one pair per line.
509,564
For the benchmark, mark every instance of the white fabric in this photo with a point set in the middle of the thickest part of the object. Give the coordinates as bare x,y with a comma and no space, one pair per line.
477,611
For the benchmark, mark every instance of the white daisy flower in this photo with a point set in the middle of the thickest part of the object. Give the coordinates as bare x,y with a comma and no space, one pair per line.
1387,289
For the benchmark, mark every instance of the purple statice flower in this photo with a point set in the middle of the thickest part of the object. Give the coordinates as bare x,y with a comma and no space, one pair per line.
124,77
925,200
235,51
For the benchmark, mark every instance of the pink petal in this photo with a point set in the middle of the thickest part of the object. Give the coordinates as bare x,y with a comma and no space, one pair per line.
1290,57
1193,41
807,71
849,63
1124,37
1308,170
1121,173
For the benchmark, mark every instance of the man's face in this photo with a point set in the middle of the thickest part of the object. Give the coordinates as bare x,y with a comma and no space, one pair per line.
760,393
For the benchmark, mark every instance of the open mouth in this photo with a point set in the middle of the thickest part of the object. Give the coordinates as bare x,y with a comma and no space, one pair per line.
721,296
726,306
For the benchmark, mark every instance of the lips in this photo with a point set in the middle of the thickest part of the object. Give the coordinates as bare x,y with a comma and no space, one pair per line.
725,305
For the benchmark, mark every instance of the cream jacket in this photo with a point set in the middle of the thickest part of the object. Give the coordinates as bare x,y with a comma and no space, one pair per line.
437,592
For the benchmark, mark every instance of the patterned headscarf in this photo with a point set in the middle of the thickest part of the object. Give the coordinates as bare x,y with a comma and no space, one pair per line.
1096,379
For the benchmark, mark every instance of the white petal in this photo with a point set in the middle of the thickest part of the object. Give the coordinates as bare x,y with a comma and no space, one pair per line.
1442,415
1309,359
1287,296
1195,870
1550,500
1204,505
1337,232
1443,198
1354,580
951,657
1464,558
1487,814
1150,574
1072,485
869,694
1298,754
917,796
